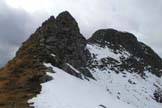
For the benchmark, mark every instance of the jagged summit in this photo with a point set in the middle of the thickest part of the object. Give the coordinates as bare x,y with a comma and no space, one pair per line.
60,37
67,22
64,20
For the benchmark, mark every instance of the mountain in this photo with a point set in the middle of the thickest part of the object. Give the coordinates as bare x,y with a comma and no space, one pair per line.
57,67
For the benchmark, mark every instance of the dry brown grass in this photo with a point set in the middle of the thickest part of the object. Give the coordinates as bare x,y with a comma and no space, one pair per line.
19,79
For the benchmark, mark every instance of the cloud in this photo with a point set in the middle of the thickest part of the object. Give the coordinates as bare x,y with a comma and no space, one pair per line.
141,17
13,31
16,25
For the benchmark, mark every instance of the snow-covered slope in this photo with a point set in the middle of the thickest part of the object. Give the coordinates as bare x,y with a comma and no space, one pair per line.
66,91
128,87
109,90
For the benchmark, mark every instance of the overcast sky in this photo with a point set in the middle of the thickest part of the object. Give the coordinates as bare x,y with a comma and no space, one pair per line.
20,18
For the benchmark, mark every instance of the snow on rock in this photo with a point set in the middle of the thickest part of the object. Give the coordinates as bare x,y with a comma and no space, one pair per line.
48,65
53,55
101,52
73,68
66,91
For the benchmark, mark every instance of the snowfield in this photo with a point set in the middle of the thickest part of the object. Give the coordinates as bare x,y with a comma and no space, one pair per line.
66,91
109,90
130,87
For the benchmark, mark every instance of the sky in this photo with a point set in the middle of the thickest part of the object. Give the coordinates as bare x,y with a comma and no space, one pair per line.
20,18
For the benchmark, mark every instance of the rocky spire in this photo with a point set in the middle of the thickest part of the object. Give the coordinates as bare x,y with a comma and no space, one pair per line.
66,22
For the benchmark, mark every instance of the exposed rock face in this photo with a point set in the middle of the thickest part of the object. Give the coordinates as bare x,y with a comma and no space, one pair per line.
65,40
141,56
60,37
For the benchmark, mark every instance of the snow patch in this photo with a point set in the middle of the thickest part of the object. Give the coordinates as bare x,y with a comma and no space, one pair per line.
101,52
53,55
73,68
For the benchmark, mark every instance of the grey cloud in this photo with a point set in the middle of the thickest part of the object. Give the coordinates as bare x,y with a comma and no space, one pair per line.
16,26
141,17
12,31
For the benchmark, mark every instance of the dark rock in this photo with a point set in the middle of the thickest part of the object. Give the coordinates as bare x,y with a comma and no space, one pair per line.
66,22
158,95
103,106
61,37
45,78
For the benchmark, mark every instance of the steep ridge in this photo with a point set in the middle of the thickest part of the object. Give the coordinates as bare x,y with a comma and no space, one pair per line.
59,42
108,56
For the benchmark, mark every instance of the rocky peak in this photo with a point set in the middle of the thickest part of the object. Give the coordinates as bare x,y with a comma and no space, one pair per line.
119,41
58,41
60,37
66,41
113,36
66,22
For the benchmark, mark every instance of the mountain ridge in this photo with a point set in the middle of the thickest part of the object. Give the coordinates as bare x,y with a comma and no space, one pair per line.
59,42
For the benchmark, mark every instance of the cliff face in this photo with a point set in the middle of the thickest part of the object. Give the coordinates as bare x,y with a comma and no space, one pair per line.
59,42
